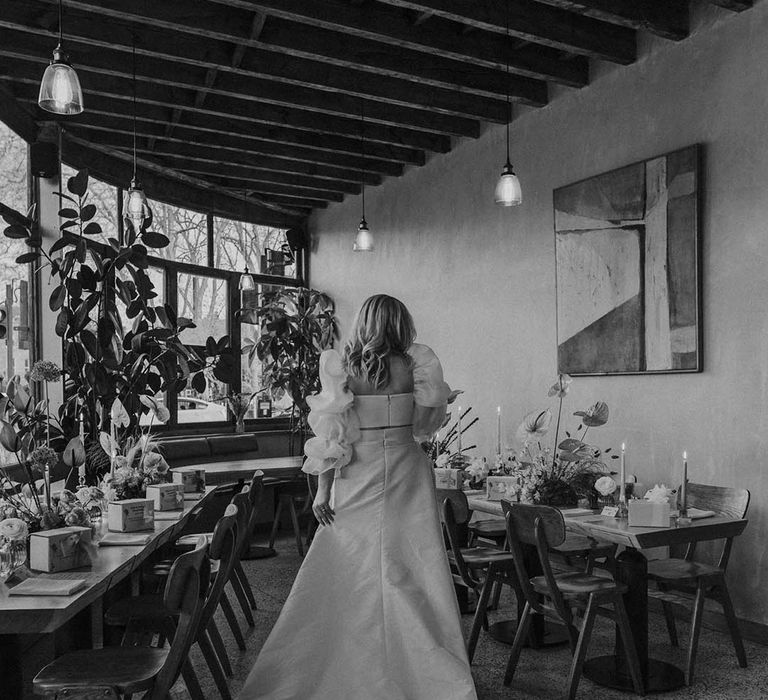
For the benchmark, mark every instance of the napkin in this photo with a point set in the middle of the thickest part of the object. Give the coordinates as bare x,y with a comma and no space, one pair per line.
48,586
121,539
695,513
168,514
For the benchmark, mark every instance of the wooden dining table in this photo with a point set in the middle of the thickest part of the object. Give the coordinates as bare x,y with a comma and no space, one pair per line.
31,626
632,570
233,470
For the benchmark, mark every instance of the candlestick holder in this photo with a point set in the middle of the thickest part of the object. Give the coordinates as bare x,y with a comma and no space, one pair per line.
622,512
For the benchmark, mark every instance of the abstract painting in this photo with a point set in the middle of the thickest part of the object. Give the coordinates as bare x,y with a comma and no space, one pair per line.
627,262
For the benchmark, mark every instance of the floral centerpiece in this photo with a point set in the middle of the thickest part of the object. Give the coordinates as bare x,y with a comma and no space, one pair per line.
238,403
567,471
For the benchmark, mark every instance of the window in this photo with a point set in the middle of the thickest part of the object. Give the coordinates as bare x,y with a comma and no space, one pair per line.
263,249
187,230
16,309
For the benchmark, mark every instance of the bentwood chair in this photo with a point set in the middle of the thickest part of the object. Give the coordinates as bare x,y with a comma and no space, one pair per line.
556,596
145,616
475,568
295,496
689,583
118,672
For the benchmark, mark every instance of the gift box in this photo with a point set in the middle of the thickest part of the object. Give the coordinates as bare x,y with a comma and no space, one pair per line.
131,515
193,480
642,513
449,478
498,487
60,549
166,496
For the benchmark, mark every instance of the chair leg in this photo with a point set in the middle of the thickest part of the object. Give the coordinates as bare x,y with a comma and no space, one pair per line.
480,618
240,573
633,661
213,664
296,528
580,652
218,645
237,587
190,680
733,625
234,625
275,523
517,646
669,617
693,642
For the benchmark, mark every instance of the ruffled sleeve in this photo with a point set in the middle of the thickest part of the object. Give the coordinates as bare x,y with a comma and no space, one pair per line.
430,392
332,419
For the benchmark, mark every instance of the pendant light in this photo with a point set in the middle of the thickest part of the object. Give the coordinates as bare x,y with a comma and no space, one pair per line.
508,190
136,205
364,237
246,283
60,91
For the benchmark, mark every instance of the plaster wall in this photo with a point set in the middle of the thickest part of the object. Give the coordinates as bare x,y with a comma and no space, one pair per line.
480,279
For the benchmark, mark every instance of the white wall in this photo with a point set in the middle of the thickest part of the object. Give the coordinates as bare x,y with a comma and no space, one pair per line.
479,279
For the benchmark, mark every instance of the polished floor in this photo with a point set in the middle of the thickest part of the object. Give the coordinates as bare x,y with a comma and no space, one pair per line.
541,674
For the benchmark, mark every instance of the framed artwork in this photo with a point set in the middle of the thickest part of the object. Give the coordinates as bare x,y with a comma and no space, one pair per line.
628,268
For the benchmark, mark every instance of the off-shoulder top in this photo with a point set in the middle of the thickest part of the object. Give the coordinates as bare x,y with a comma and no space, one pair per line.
334,420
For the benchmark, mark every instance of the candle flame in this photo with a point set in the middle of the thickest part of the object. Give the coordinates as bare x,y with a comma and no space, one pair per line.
623,446
498,409
685,455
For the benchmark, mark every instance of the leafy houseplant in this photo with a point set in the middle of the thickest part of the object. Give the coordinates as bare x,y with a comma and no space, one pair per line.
118,341
295,326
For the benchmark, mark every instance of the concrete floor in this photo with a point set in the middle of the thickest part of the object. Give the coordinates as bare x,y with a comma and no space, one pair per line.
540,674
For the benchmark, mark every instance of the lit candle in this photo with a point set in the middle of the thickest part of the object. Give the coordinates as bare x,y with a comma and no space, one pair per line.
623,476
113,429
437,445
458,427
498,430
684,486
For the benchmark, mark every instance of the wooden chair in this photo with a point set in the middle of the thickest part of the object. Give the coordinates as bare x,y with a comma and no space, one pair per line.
475,568
689,583
557,595
295,496
115,672
144,616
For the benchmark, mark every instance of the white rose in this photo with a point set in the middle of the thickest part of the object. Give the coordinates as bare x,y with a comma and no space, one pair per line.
605,486
13,529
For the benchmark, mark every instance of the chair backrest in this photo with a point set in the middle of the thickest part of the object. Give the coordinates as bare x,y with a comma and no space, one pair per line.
184,595
244,509
256,489
450,522
539,527
724,501
223,549
459,502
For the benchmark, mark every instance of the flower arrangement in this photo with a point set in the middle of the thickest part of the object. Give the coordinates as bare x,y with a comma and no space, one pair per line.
238,403
568,471
136,464
13,529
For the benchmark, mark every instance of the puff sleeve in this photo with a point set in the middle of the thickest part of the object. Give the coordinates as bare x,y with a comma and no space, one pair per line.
430,392
332,419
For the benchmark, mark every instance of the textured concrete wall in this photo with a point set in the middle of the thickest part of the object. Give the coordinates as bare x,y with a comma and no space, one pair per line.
480,279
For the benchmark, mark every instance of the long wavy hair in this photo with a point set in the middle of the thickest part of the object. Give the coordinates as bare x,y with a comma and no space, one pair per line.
383,327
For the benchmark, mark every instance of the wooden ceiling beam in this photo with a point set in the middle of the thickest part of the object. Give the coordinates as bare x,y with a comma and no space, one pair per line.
15,114
191,139
235,182
531,21
735,5
668,19
206,154
267,96
115,169
544,26
210,128
441,87
231,109
294,202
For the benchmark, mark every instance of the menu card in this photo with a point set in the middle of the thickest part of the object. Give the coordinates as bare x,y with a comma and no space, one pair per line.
48,586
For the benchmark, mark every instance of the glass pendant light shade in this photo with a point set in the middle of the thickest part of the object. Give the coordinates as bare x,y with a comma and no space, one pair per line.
508,191
136,205
364,238
246,283
60,91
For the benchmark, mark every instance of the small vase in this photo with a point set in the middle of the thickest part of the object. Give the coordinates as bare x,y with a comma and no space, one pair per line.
12,555
240,426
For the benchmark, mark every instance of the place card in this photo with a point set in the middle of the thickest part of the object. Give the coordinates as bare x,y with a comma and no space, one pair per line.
610,511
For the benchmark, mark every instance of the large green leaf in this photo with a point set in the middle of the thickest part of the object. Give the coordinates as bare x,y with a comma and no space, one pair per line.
78,184
58,295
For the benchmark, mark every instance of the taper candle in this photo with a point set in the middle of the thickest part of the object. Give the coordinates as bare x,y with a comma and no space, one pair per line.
458,429
684,485
623,475
498,430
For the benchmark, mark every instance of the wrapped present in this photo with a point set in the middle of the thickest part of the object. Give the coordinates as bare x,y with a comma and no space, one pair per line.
448,478
642,513
166,496
60,549
131,515
498,487
193,480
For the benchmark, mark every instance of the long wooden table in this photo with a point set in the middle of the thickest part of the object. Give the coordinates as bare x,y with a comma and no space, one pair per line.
23,619
632,570
235,470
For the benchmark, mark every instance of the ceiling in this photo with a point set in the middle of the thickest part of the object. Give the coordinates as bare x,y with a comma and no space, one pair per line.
268,109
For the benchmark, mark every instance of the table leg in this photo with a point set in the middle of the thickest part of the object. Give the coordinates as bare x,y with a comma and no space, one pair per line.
612,671
11,666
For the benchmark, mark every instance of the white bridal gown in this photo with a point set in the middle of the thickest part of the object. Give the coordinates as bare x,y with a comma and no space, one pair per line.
372,614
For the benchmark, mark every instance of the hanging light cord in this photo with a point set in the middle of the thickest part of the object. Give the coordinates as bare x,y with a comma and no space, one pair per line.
60,22
134,107
509,105
362,152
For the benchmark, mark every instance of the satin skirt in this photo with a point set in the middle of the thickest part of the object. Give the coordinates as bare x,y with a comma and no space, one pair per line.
372,614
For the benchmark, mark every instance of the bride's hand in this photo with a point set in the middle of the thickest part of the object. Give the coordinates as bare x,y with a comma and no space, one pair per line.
321,507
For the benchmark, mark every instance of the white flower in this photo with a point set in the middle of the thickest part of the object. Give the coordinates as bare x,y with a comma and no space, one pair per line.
605,486
13,529
560,387
535,425
660,493
477,468
442,459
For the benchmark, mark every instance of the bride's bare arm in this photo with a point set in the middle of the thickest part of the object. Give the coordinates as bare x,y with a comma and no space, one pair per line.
321,506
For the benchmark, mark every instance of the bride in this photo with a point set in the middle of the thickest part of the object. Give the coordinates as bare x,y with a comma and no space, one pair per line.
372,614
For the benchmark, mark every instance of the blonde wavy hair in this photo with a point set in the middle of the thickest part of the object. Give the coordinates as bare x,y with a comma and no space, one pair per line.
383,327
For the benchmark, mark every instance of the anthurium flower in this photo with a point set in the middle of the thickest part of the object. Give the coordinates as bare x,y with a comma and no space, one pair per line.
74,453
596,414
560,387
535,425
